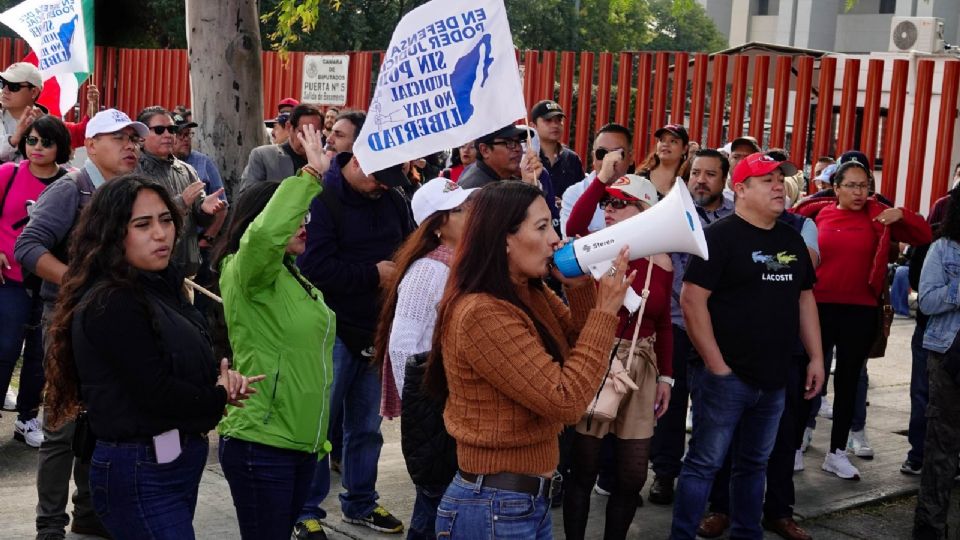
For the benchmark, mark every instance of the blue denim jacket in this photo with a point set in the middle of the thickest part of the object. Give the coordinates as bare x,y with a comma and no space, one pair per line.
940,294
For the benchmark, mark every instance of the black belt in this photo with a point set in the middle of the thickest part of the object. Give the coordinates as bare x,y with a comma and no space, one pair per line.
521,483
184,437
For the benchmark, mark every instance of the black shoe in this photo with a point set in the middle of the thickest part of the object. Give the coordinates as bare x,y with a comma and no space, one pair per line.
379,520
309,529
911,467
335,466
661,492
89,528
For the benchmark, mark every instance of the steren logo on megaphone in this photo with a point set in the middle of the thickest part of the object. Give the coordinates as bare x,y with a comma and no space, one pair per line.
669,226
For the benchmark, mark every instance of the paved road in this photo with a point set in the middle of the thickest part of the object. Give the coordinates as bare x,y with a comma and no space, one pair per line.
827,504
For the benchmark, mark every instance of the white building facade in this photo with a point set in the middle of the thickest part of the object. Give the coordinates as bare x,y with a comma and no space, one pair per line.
825,24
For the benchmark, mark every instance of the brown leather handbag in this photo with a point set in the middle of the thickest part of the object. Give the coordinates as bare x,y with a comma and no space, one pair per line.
618,382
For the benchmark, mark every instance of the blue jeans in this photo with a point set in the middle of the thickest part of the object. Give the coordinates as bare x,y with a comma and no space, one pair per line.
919,392
356,391
900,290
20,328
720,404
670,433
470,511
268,485
423,522
135,497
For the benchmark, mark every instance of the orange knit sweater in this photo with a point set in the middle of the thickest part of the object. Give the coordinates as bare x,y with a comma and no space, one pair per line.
508,398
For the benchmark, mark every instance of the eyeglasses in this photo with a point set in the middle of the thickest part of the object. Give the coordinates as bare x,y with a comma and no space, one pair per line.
123,138
44,142
173,130
14,86
856,187
600,153
509,144
617,204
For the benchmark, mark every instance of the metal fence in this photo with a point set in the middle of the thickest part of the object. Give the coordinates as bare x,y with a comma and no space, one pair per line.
902,114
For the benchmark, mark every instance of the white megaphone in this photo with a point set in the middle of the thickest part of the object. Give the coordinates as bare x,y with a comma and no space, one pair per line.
670,226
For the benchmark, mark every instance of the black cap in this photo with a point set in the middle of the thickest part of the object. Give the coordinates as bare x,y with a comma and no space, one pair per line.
391,176
182,122
281,119
507,132
546,109
674,129
855,156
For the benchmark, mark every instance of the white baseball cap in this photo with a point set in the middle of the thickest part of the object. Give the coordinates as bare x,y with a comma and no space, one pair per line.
437,195
111,121
631,187
23,72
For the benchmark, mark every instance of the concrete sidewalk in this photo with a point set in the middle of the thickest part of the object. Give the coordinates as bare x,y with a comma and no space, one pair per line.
818,493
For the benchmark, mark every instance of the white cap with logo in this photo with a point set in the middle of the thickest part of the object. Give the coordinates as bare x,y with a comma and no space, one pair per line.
111,121
23,72
437,195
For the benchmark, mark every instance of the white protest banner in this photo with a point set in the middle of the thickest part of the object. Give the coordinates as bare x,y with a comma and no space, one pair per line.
449,76
325,79
55,30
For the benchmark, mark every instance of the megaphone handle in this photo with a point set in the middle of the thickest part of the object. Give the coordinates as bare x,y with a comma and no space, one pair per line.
643,306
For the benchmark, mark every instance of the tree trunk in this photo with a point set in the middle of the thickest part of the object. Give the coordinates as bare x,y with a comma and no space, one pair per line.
223,44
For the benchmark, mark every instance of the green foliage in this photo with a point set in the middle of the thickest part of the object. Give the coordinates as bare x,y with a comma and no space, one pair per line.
679,27
347,25
294,19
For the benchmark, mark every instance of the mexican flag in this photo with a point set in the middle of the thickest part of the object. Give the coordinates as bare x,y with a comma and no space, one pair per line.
60,34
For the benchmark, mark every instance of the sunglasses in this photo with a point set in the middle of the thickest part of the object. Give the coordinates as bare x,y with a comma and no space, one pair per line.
44,142
600,153
173,130
14,86
617,204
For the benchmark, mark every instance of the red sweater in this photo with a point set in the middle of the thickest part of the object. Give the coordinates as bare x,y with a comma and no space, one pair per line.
839,234
848,244
656,317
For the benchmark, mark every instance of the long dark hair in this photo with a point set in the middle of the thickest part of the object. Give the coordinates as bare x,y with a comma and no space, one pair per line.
950,226
421,242
248,206
481,266
97,264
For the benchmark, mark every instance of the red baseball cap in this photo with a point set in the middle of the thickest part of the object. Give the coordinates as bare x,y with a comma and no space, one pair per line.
759,164
287,102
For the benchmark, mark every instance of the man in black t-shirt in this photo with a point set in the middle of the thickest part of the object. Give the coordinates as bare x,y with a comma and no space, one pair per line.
743,308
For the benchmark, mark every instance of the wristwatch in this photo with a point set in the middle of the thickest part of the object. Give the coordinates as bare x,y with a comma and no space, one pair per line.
665,379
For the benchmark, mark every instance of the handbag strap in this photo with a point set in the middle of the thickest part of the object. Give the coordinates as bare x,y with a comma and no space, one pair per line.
643,305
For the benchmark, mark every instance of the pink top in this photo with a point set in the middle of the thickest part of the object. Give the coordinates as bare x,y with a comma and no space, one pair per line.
13,214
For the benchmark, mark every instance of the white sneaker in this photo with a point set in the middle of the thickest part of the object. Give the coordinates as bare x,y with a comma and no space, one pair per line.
839,464
798,461
29,432
600,491
826,410
858,444
10,402
807,439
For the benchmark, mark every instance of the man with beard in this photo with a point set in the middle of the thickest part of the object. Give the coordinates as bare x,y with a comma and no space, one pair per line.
708,174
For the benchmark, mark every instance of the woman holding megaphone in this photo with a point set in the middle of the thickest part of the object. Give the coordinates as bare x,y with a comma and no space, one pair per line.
514,363
649,370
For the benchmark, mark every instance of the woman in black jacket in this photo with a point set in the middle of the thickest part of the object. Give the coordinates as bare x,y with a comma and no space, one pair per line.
128,348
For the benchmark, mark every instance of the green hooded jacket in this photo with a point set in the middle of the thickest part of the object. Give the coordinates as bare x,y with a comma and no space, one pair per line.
279,326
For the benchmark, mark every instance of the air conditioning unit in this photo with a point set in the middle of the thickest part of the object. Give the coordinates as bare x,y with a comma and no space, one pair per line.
921,34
